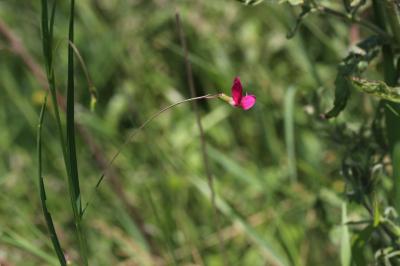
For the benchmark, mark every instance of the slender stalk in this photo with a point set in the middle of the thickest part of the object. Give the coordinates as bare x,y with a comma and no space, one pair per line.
47,51
210,178
73,178
47,31
134,133
42,191
288,111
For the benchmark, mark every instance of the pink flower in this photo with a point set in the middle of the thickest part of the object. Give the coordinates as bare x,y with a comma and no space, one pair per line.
238,100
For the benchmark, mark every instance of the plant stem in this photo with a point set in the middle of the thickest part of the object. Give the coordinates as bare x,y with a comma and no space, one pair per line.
73,178
42,191
134,133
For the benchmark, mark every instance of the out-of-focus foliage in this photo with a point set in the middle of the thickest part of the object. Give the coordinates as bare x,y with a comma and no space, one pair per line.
132,53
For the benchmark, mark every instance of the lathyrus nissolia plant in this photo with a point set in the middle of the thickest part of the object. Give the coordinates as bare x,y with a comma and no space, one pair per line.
373,151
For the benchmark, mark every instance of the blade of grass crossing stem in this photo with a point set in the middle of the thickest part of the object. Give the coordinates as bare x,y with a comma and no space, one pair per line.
345,246
289,131
42,191
73,178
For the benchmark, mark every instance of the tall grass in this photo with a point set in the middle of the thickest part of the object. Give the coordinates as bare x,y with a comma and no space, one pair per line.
153,207
42,191
68,144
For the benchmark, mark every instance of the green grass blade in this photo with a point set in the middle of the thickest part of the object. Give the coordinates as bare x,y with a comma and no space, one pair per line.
73,177
289,131
45,35
51,28
42,191
396,176
16,240
345,246
70,117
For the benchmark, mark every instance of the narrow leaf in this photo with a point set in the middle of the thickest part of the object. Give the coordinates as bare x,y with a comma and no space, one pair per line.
250,2
354,64
377,88
345,250
396,176
42,191
289,131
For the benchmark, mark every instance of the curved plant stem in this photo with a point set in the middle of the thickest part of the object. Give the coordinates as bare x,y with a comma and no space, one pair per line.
134,133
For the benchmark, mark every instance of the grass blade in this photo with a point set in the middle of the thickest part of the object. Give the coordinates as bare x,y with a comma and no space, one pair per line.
18,241
289,131
396,176
73,177
345,246
42,191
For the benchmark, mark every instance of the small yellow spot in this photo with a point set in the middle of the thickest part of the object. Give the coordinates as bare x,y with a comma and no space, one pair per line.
38,97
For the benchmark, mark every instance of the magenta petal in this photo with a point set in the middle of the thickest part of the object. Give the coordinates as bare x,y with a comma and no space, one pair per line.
237,91
248,101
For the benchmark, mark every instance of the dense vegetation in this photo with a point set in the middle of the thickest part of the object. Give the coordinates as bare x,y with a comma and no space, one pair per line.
305,177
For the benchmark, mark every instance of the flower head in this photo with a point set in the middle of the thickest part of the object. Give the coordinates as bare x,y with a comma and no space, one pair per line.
238,100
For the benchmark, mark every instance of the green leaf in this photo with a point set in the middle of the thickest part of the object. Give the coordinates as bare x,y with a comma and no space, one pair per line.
396,176
289,104
342,94
359,243
376,212
292,2
377,88
250,2
354,64
345,250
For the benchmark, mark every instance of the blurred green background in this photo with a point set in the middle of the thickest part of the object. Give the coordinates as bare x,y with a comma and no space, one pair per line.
276,166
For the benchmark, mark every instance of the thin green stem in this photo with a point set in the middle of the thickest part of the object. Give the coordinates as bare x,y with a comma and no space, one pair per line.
134,133
73,178
42,191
